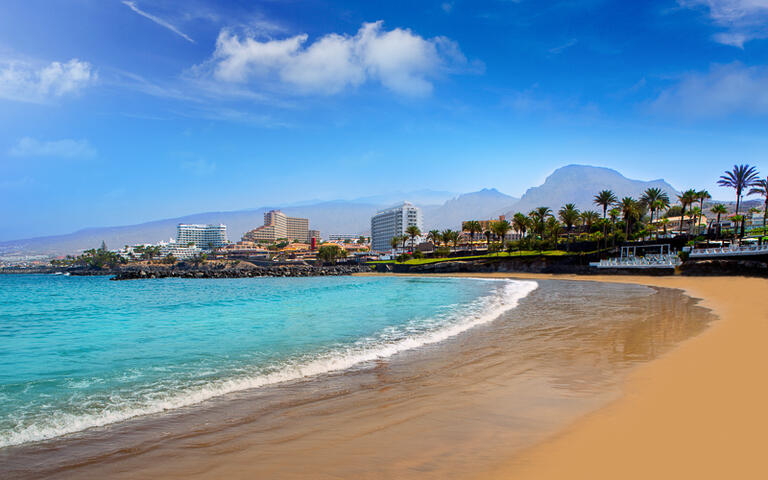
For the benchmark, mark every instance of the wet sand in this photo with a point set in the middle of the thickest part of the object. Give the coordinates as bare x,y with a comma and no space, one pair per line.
508,399
699,412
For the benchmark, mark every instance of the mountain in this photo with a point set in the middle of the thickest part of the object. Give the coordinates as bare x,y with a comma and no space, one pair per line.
485,204
573,183
579,184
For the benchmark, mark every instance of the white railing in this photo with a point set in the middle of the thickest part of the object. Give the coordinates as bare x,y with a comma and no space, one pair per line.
648,261
730,251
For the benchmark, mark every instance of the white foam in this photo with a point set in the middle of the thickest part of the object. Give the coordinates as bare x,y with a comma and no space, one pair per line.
485,310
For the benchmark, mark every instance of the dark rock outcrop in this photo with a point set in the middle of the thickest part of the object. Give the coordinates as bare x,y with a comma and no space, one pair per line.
715,267
234,270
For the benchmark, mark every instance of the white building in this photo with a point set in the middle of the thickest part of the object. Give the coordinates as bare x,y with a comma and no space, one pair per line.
343,237
205,237
392,222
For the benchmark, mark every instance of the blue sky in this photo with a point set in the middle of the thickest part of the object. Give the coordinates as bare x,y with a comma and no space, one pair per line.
115,112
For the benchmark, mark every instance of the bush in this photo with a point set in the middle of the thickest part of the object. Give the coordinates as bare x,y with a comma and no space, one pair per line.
418,254
442,252
402,258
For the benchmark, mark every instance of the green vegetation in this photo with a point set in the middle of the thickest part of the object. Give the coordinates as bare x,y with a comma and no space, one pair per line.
408,260
330,253
93,258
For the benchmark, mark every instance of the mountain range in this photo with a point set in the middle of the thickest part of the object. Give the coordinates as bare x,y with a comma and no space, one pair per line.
570,184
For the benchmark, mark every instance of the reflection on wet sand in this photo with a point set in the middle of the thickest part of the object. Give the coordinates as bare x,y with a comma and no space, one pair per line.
436,412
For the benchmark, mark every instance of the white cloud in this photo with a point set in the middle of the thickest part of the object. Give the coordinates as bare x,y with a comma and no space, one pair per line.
25,83
400,60
724,90
67,148
132,5
743,20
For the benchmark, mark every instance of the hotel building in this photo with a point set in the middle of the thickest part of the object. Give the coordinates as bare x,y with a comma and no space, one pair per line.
392,222
278,225
205,237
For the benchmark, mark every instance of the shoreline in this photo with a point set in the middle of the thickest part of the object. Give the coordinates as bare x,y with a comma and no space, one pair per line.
699,411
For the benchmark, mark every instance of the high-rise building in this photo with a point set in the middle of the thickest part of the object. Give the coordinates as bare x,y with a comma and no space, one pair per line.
391,222
278,225
206,237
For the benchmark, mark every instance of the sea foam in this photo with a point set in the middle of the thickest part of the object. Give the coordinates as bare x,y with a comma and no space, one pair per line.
389,343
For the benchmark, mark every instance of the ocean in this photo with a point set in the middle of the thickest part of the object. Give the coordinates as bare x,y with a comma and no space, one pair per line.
81,352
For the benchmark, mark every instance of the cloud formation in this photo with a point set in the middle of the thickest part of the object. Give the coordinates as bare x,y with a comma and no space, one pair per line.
25,83
398,59
67,148
132,5
743,20
724,90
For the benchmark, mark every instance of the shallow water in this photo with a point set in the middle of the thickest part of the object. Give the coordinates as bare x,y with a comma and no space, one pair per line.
453,365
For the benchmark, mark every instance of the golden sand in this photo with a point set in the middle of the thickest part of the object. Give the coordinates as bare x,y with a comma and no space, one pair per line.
699,412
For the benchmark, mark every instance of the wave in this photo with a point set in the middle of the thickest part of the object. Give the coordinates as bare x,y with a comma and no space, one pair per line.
483,310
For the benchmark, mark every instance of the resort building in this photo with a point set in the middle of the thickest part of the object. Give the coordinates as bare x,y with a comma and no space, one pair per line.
342,237
314,234
278,225
485,225
391,222
205,237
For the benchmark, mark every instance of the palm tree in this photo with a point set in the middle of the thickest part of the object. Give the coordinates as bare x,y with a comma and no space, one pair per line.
569,215
629,209
590,217
554,228
660,205
539,217
488,235
394,243
520,222
761,188
605,199
473,227
719,209
614,214
435,237
687,199
413,232
500,228
450,236
741,177
702,195
653,198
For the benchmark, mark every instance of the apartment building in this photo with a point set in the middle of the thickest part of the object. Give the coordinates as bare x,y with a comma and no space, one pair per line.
205,237
392,222
278,225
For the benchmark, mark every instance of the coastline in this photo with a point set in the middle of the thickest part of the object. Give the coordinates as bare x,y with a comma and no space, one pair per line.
453,411
698,411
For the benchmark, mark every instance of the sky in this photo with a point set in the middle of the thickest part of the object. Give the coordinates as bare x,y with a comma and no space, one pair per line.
118,112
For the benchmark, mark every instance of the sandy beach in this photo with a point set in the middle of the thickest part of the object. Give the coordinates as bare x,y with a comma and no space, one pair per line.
620,381
700,411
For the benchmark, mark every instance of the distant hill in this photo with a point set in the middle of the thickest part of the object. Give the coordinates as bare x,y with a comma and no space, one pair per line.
579,184
483,205
573,183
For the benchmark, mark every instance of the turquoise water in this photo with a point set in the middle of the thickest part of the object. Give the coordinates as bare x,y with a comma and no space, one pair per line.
79,352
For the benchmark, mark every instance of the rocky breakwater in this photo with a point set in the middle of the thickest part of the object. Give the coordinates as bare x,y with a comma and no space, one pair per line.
573,264
234,270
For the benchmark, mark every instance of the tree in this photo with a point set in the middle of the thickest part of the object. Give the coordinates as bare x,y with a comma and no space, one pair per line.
654,198
719,209
394,243
760,187
687,199
590,217
605,199
329,253
553,227
629,210
701,195
740,178
488,234
569,215
500,229
539,217
473,227
413,232
435,237
520,222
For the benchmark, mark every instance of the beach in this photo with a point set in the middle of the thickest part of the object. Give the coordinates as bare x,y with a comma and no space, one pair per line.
697,412
581,380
